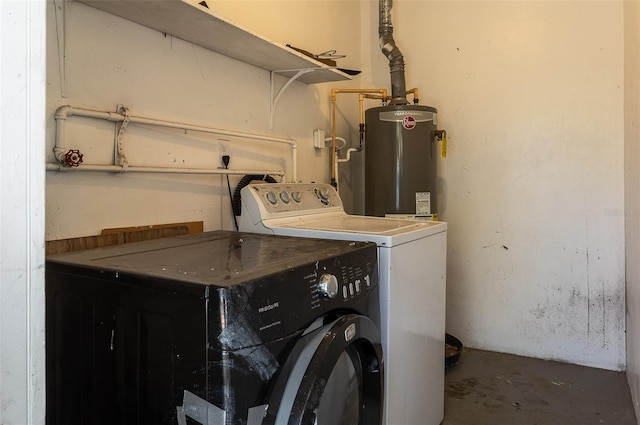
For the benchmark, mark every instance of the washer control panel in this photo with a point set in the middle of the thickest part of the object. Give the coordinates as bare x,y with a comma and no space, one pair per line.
329,285
283,199
333,288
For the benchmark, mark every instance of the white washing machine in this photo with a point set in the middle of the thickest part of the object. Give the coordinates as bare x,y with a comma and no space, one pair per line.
412,262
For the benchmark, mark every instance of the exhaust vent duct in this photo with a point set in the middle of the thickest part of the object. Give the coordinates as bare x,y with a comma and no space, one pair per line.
393,54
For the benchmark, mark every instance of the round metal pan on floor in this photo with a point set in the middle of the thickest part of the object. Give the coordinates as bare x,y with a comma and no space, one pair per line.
452,350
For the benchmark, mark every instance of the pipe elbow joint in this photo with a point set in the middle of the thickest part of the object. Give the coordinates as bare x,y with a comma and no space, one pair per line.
391,51
64,112
397,63
387,44
60,154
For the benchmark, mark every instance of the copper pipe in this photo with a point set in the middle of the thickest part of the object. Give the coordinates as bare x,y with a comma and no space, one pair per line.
416,97
413,91
334,92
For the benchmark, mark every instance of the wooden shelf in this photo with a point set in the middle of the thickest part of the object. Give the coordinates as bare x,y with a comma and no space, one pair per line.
190,21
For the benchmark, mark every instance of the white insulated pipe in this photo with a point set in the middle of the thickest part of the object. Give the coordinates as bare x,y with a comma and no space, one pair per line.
53,166
64,112
348,157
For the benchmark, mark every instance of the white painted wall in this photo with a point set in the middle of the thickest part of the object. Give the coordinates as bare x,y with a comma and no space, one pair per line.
313,25
632,195
556,122
164,77
531,95
22,88
339,22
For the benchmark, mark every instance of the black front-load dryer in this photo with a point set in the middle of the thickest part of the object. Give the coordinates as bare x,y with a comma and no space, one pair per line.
219,328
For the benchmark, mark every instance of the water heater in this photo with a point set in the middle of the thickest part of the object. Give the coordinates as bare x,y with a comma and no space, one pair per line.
401,157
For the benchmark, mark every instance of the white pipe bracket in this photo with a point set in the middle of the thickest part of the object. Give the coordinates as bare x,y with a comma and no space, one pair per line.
123,110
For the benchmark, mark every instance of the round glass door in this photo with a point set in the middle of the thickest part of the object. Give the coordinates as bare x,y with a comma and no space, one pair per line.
337,378
341,400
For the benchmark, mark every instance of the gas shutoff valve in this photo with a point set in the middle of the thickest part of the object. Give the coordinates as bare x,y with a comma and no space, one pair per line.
441,136
73,158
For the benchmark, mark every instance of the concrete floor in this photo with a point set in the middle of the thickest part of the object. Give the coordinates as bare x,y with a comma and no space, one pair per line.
486,388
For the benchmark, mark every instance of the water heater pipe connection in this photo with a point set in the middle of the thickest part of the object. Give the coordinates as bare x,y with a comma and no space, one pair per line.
382,93
413,92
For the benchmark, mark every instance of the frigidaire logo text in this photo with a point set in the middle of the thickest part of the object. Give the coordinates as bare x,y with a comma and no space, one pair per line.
269,307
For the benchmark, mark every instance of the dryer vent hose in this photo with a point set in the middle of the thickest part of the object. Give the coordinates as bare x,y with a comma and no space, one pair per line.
236,201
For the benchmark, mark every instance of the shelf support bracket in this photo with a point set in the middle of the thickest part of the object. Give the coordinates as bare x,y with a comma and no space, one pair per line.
274,99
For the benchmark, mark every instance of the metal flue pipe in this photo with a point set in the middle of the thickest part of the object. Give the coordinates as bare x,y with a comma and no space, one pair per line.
393,53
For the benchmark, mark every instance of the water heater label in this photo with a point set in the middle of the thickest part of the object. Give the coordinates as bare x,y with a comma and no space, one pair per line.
423,203
400,116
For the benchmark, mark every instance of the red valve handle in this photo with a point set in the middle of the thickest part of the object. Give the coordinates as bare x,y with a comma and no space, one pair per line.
73,158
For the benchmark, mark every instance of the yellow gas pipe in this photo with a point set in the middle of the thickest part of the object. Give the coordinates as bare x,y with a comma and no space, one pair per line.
413,92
